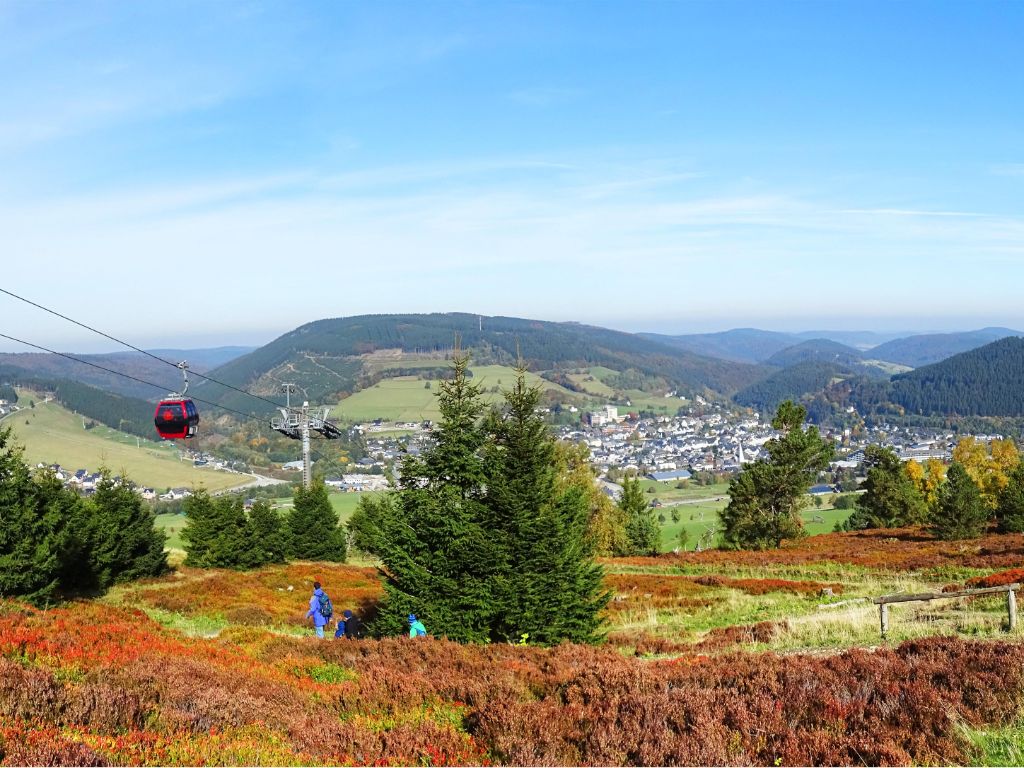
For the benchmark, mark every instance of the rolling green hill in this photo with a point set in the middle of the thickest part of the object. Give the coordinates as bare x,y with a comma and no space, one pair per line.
408,398
412,397
331,358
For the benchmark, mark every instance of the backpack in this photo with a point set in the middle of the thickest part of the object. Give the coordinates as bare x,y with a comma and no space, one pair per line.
326,609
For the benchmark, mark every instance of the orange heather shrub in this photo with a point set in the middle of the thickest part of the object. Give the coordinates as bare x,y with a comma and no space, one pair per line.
764,586
92,684
1012,576
635,590
897,549
724,637
645,644
262,597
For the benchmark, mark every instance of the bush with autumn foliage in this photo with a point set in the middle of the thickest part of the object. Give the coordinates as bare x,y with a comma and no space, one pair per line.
91,684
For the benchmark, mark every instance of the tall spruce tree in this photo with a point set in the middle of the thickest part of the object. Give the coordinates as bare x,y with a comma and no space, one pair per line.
438,559
198,534
961,512
766,496
890,498
270,535
36,522
218,533
313,532
552,591
641,527
125,542
1010,508
482,539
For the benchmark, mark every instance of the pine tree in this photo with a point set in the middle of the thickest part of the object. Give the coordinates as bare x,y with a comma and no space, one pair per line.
35,522
198,534
891,499
313,530
484,538
125,542
1010,510
552,589
641,527
766,496
218,533
269,534
961,512
439,561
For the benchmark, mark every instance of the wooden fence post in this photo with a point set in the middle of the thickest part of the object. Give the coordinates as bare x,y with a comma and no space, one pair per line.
1011,601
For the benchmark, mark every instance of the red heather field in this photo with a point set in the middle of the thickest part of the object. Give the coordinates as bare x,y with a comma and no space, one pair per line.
898,549
92,684
216,667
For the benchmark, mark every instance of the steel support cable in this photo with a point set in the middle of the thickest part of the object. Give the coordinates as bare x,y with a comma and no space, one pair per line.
119,373
132,346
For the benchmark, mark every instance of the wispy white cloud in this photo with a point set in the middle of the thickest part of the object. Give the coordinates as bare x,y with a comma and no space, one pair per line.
534,242
912,212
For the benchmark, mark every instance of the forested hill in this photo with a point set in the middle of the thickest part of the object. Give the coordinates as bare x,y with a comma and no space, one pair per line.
820,350
925,349
327,356
988,381
744,345
127,414
793,383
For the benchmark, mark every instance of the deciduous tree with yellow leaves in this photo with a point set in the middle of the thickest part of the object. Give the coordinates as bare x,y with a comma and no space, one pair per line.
927,478
989,466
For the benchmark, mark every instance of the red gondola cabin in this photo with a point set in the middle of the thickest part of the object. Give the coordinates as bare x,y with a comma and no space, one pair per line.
176,419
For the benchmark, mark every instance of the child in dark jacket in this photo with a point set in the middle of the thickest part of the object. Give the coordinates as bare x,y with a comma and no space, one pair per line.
350,626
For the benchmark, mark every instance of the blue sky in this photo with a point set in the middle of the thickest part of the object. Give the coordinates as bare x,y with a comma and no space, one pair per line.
189,174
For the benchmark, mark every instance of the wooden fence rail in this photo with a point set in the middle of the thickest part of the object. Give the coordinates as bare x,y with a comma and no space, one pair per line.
885,601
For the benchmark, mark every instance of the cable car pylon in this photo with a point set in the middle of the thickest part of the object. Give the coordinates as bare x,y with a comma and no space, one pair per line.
297,423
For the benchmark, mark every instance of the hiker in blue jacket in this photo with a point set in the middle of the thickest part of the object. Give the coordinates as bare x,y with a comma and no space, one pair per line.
416,628
319,609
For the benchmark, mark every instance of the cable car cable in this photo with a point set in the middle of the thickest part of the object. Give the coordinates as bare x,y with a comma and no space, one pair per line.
132,346
119,373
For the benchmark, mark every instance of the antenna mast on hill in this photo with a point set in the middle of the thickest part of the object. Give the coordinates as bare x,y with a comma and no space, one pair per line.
297,423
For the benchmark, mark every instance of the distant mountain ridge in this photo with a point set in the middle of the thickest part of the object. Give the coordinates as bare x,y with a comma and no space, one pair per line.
332,358
136,364
925,349
821,350
908,349
744,345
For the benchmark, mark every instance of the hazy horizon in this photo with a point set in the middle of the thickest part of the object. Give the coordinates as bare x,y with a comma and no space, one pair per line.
84,342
